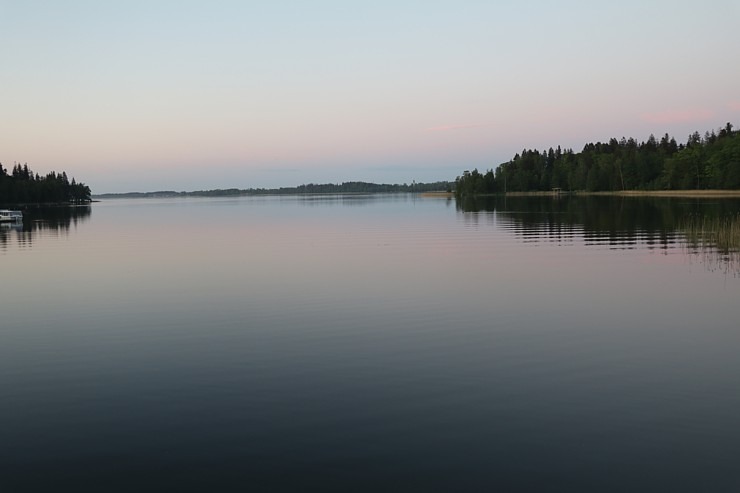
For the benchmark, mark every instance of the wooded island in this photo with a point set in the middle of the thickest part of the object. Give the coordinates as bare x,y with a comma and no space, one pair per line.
23,186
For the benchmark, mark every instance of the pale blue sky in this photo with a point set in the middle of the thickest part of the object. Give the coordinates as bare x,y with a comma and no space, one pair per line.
147,95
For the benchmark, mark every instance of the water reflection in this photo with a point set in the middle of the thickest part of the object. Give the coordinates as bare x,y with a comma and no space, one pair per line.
615,222
46,220
358,199
268,342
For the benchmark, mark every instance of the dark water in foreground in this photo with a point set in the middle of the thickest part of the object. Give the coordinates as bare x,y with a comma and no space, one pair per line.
368,344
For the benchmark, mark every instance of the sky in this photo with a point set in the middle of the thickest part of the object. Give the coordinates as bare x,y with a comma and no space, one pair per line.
192,95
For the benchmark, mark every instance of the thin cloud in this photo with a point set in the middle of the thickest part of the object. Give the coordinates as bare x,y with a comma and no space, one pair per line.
678,116
444,128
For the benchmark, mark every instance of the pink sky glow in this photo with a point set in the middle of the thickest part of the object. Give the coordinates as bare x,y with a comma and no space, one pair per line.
456,127
679,116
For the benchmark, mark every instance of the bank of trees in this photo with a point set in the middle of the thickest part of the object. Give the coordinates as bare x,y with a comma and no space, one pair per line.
311,188
703,162
365,187
22,186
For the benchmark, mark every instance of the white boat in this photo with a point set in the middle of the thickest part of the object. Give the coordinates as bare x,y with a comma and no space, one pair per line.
8,216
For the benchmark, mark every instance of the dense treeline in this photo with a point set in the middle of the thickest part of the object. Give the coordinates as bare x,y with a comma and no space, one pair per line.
704,162
311,188
364,187
23,186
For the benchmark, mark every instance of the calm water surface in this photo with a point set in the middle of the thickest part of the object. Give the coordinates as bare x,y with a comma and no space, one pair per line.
385,343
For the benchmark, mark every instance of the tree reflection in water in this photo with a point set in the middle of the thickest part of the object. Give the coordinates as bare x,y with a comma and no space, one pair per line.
707,229
49,220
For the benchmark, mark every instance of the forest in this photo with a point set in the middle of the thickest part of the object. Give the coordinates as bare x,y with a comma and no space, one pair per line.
23,186
711,161
311,188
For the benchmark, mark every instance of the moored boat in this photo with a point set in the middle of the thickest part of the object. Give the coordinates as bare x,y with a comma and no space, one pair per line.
7,215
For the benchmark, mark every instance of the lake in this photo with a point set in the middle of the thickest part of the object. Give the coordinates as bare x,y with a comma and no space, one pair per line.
369,343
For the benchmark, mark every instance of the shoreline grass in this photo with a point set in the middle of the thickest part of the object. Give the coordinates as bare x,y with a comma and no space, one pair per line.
634,193
670,193
722,233
438,195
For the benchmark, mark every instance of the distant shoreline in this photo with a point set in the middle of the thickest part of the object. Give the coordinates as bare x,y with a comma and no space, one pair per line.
187,195
351,187
435,194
